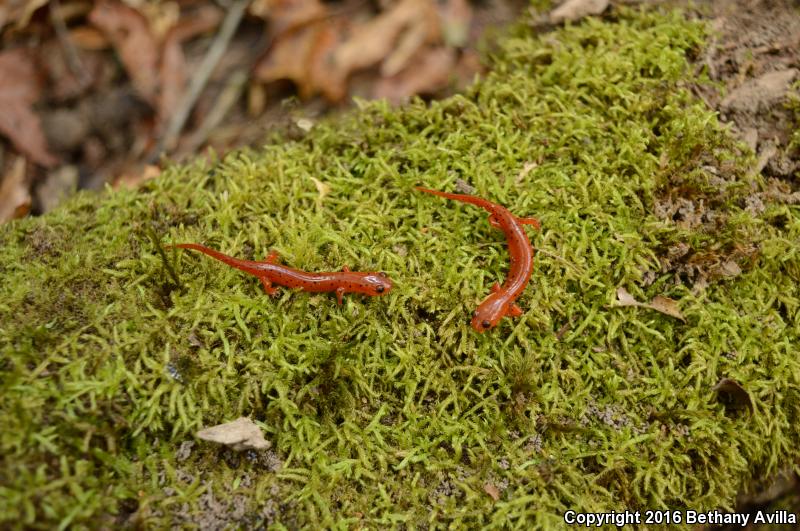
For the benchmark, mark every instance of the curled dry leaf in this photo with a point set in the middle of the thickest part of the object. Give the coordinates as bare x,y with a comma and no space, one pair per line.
129,33
287,15
573,10
135,178
659,303
430,72
492,491
18,11
377,40
19,90
301,56
15,200
241,434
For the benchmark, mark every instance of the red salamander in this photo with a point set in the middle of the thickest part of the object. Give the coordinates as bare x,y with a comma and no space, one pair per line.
501,301
345,281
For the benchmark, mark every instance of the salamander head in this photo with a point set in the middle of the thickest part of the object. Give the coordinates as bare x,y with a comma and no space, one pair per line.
377,283
489,313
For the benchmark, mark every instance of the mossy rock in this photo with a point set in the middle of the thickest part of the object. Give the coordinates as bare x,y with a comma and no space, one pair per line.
392,411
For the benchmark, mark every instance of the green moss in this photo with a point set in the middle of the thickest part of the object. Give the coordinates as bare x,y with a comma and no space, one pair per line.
391,410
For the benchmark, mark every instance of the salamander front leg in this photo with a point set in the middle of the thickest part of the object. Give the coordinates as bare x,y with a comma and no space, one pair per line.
514,310
272,257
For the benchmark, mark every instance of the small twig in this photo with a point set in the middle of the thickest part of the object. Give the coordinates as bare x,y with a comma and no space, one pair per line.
200,79
163,255
229,96
560,259
73,59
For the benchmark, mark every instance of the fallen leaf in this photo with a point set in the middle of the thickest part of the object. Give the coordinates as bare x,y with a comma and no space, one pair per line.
492,491
296,56
129,33
659,303
133,179
730,269
733,395
666,306
241,434
19,12
322,188
375,41
526,169
626,299
15,200
287,15
429,72
573,10
19,90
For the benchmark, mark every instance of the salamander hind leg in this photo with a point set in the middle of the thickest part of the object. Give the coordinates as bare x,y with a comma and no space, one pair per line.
339,295
272,257
268,286
494,222
529,221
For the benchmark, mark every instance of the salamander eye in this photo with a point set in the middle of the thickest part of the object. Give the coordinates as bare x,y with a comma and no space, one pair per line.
486,324
381,273
379,289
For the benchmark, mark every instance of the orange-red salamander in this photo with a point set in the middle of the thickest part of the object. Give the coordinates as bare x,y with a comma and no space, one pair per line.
501,301
269,272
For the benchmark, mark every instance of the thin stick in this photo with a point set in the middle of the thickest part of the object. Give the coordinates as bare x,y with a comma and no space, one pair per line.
199,81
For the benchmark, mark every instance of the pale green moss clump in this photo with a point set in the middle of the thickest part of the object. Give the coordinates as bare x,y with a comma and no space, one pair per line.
391,410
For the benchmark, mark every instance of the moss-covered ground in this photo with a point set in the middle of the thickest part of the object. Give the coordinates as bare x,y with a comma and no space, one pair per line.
391,411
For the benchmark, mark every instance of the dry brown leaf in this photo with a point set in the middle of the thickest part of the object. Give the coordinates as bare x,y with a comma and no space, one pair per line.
241,434
134,178
18,11
572,10
492,491
15,200
659,303
626,299
430,71
129,33
19,90
666,306
300,56
287,15
374,41
730,268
